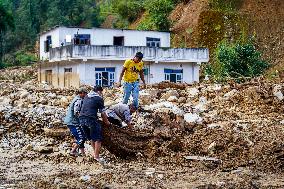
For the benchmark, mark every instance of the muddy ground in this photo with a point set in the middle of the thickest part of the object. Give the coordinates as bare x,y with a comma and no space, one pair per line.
199,136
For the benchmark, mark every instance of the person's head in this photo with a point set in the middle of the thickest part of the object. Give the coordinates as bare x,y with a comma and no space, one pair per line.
132,108
138,57
99,90
82,92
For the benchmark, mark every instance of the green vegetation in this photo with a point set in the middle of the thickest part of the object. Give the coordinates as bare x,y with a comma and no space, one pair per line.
158,12
236,60
225,5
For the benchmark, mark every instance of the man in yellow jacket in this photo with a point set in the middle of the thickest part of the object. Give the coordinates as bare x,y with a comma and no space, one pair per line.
132,68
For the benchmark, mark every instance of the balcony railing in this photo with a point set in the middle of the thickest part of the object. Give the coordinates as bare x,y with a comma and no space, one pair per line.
123,52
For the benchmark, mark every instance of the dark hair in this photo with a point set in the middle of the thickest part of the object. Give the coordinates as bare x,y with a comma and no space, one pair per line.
98,88
139,55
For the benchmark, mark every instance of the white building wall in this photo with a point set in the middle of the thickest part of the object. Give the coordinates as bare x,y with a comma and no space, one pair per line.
55,42
189,71
100,36
88,75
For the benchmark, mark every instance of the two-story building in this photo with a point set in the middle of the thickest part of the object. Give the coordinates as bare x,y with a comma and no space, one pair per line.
94,56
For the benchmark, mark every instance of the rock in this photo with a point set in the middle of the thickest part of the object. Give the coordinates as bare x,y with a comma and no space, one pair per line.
192,118
57,180
64,101
24,94
212,147
230,94
282,122
172,99
214,126
56,132
85,178
201,158
181,100
279,95
28,147
150,171
169,93
192,92
145,98
43,149
62,186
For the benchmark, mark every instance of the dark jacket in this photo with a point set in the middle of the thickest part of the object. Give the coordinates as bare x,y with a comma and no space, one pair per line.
92,104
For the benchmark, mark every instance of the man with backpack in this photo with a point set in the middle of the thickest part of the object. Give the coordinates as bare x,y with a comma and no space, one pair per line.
72,122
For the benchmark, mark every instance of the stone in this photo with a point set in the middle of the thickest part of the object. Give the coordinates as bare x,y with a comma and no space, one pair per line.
192,118
201,158
62,186
24,94
43,149
56,132
230,94
172,99
85,178
212,146
192,92
181,100
57,180
145,98
169,93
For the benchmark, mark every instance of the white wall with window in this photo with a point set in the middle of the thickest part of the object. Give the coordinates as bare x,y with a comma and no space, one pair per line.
61,36
173,75
105,76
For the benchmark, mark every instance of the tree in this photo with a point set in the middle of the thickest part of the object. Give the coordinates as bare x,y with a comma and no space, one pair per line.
6,22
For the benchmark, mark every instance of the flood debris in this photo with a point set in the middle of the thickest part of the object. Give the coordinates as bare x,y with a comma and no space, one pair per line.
236,125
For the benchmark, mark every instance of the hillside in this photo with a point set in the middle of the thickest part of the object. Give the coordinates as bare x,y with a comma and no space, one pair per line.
265,20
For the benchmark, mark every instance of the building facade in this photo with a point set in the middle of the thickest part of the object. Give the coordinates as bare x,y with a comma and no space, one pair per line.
76,56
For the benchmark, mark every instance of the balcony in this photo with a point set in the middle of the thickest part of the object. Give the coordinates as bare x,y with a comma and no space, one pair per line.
86,52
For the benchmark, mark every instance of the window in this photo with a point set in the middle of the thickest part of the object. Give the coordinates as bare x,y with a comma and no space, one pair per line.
153,42
47,43
67,70
82,39
173,75
104,76
146,71
119,41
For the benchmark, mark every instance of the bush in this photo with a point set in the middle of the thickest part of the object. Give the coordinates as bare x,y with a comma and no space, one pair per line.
129,9
24,58
236,60
225,5
158,13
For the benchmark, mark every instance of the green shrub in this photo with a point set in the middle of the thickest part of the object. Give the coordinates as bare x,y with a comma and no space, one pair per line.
24,58
236,60
225,5
158,13
129,9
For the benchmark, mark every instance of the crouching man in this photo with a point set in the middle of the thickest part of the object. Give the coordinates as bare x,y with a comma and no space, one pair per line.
121,113
72,122
92,104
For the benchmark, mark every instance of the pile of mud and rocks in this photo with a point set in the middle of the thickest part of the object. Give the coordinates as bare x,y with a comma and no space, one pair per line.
221,127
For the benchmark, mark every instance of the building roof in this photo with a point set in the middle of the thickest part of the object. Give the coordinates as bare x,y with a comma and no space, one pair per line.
57,26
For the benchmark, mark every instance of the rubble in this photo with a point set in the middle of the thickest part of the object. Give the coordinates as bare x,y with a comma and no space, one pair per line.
240,125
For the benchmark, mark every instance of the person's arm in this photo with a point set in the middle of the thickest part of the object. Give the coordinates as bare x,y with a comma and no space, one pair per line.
105,120
102,110
121,75
142,76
